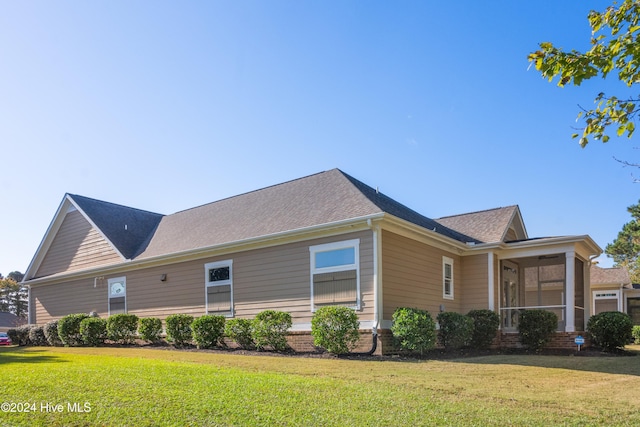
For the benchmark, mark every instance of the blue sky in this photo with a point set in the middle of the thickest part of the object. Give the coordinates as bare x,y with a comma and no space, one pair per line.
168,105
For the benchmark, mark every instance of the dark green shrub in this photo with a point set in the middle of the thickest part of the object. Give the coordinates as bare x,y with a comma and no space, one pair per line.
19,335
413,329
610,329
455,330
69,329
150,329
536,328
270,329
122,328
93,331
241,331
51,333
636,334
335,328
179,329
208,331
485,327
37,337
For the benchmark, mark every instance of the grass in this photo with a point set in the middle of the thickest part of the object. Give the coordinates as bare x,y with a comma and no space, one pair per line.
145,387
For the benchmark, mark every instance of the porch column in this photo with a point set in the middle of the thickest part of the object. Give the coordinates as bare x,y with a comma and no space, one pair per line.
570,292
491,280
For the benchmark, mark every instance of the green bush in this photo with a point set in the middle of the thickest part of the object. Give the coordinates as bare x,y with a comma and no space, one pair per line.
270,329
413,329
536,327
19,335
69,329
208,330
241,331
122,328
636,334
93,331
455,331
51,333
150,329
37,337
485,327
179,329
610,329
335,328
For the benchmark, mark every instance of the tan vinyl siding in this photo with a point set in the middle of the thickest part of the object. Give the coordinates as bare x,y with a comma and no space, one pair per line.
276,278
412,276
475,282
76,246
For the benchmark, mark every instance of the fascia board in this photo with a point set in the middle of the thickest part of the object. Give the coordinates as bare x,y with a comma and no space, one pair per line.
416,232
291,236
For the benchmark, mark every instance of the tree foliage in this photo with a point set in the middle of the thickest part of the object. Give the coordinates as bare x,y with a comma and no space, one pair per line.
13,295
625,250
615,48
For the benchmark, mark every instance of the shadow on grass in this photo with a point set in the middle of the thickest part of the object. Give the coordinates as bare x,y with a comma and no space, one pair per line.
9,355
621,363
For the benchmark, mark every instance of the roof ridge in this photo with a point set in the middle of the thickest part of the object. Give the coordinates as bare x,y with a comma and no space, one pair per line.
253,191
477,212
113,204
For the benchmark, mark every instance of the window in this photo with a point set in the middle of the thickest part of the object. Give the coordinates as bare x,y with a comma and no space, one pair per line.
335,274
117,288
447,278
219,288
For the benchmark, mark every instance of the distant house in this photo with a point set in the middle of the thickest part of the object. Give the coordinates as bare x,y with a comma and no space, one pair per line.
612,290
9,321
320,240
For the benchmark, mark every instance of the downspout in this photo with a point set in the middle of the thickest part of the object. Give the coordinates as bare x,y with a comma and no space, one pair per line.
376,296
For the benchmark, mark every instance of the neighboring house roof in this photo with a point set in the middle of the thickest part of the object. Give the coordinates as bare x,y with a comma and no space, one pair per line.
10,320
488,226
128,229
609,276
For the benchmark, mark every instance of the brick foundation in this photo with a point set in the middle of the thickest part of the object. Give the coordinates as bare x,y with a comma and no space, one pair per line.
560,340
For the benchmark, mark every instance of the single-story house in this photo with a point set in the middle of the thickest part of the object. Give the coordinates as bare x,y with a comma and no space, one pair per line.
612,290
324,239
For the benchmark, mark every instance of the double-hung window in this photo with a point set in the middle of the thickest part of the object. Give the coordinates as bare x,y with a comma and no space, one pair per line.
219,287
335,274
447,278
117,295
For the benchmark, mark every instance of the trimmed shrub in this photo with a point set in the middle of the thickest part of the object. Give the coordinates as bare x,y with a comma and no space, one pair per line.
69,329
208,330
122,328
413,329
93,331
150,329
610,329
179,329
241,331
636,334
335,328
51,333
270,329
455,331
536,327
37,337
19,335
485,327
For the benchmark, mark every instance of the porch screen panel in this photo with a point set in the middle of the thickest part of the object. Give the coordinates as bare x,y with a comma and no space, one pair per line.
219,299
335,288
116,305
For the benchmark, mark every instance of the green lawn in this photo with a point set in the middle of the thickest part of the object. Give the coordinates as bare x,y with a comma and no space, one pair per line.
138,387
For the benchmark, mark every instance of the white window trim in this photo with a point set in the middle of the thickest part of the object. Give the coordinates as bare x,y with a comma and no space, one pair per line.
445,261
109,296
613,294
313,250
207,283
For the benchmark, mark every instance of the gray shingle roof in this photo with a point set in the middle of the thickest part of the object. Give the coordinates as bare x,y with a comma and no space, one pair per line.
609,276
127,228
10,320
488,226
